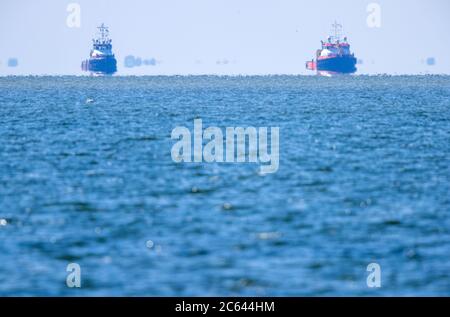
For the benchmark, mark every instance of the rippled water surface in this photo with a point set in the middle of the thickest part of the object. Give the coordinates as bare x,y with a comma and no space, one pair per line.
86,177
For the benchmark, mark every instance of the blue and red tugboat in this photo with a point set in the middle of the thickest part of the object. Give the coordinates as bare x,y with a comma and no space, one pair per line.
101,59
334,57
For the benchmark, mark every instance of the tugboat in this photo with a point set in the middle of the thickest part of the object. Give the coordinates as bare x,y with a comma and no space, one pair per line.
101,59
334,58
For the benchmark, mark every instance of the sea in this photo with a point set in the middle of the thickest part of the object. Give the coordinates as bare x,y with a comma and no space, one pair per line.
92,202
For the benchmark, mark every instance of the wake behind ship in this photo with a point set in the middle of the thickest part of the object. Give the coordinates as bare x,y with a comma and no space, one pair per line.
334,57
101,59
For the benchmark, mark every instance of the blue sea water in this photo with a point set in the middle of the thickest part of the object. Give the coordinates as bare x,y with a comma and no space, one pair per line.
86,177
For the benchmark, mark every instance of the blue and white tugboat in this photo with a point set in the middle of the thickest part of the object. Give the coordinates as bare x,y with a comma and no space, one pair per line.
334,58
101,59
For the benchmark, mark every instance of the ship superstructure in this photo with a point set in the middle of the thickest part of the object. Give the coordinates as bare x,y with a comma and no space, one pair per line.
101,58
335,56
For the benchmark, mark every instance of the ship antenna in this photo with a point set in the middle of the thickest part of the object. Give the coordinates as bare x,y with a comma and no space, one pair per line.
103,31
336,31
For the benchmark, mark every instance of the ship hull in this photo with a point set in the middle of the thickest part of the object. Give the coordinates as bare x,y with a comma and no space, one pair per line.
338,65
104,65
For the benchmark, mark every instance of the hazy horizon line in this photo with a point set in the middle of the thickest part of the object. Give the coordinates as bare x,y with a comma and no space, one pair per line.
230,75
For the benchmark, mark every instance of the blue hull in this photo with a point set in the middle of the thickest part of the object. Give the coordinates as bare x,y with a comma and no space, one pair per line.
106,65
339,64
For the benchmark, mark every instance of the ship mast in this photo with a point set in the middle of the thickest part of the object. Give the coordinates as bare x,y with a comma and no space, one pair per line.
104,32
336,32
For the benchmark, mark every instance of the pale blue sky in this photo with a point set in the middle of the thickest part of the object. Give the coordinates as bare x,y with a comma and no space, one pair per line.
254,36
